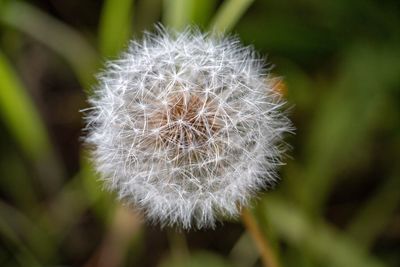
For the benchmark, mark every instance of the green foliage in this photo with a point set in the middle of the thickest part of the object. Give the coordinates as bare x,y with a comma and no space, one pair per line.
20,114
197,259
326,244
59,37
115,26
180,13
229,14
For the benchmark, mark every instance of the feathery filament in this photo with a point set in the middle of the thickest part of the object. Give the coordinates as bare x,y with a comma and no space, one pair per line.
187,127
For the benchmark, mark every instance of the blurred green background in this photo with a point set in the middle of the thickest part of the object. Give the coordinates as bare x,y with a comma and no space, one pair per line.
338,202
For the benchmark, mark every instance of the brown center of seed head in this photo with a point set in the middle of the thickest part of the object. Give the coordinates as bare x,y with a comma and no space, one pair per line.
186,123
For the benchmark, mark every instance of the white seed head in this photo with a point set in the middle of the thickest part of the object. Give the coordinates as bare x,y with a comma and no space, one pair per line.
186,127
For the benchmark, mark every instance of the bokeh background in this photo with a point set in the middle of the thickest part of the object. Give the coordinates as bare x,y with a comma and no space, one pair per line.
338,202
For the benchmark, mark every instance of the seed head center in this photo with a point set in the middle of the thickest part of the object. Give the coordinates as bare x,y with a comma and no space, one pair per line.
187,121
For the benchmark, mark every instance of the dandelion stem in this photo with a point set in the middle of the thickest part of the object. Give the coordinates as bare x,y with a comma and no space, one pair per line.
266,252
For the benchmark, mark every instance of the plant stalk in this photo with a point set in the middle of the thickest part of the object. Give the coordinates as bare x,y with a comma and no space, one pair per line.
266,252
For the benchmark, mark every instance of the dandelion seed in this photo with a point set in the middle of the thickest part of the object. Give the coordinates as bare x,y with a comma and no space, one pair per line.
186,127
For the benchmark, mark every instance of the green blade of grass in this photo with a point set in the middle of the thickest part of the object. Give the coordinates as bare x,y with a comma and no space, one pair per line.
197,259
229,14
20,115
148,13
175,13
383,206
347,124
244,253
16,182
115,26
29,235
25,125
24,256
201,11
326,244
58,36
82,192
180,13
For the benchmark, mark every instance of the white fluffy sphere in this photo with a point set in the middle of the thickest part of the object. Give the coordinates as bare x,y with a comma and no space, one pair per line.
186,127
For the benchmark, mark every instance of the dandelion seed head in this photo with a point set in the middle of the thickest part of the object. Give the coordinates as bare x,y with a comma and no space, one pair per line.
186,127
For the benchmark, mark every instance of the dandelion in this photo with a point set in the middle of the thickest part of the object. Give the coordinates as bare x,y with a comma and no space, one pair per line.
186,127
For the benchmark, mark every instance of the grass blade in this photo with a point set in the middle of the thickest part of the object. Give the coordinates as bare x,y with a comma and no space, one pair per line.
20,115
325,243
383,206
58,36
115,26
201,11
148,13
229,14
24,256
24,123
175,13
180,13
